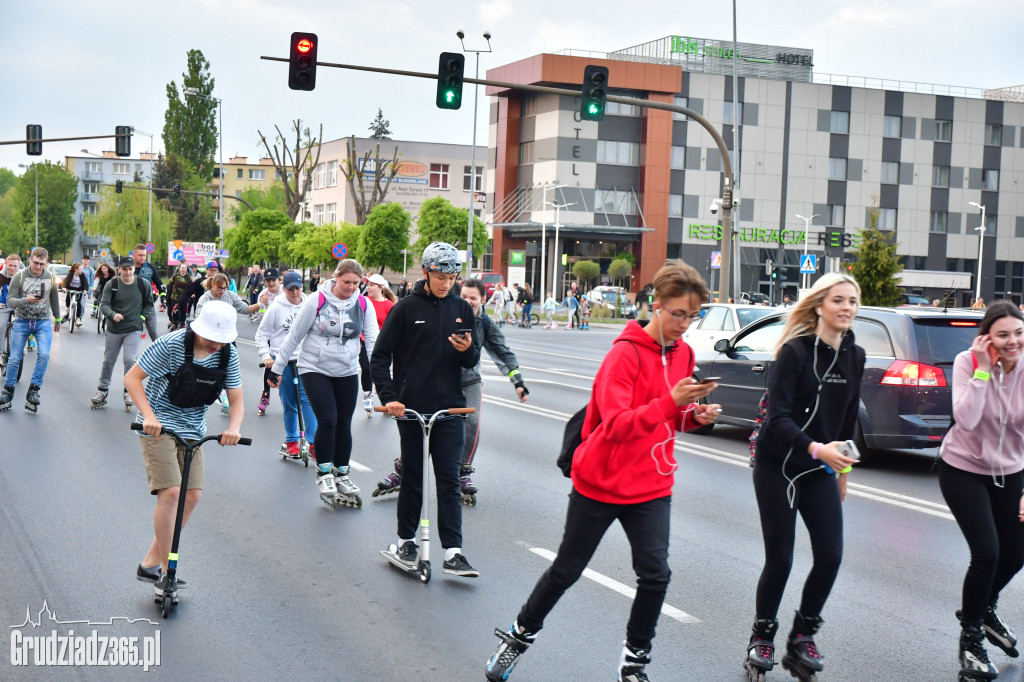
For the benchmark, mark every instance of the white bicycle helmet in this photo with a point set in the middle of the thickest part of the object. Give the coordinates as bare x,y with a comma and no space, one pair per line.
442,257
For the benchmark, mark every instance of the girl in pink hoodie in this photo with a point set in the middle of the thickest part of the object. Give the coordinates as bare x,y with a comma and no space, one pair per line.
982,477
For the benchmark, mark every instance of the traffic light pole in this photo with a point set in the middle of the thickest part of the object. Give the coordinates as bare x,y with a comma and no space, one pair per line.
183,191
725,275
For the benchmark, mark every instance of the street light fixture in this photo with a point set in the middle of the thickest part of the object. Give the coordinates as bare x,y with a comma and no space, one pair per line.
558,252
36,169
194,92
544,241
807,230
981,243
472,168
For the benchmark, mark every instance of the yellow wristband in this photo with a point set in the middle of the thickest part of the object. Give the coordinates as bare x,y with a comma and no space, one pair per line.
983,376
846,470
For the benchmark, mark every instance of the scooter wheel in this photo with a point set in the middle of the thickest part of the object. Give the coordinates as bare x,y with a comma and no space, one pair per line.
165,606
425,572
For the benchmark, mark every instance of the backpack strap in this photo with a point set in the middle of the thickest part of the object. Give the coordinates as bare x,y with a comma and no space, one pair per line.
323,300
190,339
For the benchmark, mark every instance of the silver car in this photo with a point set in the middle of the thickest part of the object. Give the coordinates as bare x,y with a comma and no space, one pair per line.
722,321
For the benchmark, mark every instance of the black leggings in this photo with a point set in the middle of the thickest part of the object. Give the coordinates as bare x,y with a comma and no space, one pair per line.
364,369
333,399
987,516
817,500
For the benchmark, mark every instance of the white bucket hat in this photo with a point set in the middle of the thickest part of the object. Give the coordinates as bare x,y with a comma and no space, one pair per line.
379,280
216,322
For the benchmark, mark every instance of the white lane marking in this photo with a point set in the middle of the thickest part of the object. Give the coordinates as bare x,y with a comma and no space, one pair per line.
538,411
540,381
616,586
521,349
558,372
359,467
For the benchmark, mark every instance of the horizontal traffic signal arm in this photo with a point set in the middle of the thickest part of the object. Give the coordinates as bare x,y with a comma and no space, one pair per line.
170,190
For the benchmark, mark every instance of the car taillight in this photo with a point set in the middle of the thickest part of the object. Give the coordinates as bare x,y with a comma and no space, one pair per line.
907,373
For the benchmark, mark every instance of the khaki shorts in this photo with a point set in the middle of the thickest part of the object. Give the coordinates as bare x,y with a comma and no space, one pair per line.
165,460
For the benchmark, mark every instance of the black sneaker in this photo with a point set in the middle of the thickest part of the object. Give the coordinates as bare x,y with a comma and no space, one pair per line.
407,553
458,565
152,575
161,585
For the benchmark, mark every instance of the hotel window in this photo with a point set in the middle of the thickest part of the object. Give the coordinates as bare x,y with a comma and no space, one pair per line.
837,169
990,179
622,153
938,221
467,179
617,109
836,215
257,174
727,117
680,102
839,122
994,135
332,174
675,205
940,176
678,157
615,201
887,219
944,131
528,107
890,172
525,154
318,214
122,169
331,213
892,126
439,174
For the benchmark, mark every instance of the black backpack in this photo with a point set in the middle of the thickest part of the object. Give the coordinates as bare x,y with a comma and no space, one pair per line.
194,385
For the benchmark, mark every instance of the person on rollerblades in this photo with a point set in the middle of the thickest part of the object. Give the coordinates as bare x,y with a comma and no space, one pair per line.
420,342
125,302
168,399
32,294
328,326
814,393
981,475
624,470
269,337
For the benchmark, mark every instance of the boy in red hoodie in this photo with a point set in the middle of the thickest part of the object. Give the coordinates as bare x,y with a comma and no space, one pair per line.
623,470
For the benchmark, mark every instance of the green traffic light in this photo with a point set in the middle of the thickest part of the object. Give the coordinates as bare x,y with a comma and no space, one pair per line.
594,109
449,96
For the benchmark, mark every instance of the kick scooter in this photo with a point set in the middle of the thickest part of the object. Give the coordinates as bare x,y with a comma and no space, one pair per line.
170,598
422,565
303,443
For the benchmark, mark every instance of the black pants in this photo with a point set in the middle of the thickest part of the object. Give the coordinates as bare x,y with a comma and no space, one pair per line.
446,440
817,501
333,399
987,516
364,369
647,528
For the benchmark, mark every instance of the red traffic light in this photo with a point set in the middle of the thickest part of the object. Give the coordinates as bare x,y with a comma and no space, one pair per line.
304,45
302,61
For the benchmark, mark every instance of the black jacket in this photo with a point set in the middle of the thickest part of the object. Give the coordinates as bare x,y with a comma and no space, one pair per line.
414,341
792,389
193,292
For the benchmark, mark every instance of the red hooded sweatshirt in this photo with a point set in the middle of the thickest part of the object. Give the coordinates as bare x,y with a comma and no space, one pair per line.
627,453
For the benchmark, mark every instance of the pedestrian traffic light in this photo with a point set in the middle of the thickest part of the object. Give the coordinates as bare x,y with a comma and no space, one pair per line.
118,186
302,61
176,190
33,132
595,93
123,140
450,70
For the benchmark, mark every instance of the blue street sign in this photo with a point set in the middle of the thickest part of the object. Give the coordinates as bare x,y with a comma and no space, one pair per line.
339,250
716,260
808,264
178,255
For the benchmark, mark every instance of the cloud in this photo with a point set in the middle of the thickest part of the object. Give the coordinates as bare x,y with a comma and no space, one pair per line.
493,12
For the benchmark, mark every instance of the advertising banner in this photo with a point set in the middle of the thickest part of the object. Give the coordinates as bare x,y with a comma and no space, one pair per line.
193,253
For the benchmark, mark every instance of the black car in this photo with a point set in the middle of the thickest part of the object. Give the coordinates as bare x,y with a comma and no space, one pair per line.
906,394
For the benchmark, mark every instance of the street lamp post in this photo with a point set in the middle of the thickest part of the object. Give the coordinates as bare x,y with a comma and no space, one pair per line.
35,168
149,184
194,92
544,241
558,252
472,167
807,231
981,243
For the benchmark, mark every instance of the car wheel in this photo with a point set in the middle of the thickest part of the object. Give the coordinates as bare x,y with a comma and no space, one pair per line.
702,430
858,439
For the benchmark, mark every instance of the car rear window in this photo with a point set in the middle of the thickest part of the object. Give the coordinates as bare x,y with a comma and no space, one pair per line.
939,341
491,279
748,315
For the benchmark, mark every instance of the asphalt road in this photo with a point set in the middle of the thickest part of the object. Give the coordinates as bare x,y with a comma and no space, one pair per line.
281,587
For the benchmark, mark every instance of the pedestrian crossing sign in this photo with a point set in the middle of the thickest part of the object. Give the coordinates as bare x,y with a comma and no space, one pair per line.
808,264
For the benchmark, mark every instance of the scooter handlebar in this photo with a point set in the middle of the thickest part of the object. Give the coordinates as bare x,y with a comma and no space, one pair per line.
136,426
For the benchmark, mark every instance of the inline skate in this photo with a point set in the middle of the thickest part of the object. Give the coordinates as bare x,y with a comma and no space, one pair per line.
632,664
761,650
391,483
225,409
32,398
99,400
128,404
261,409
996,632
345,491
802,659
6,398
466,486
974,663
514,644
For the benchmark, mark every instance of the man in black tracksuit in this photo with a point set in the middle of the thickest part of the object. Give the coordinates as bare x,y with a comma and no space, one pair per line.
419,342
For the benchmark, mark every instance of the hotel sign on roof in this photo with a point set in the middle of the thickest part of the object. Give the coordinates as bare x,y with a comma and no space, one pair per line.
717,56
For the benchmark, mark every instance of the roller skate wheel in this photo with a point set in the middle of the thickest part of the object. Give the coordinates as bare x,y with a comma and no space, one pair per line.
754,674
469,500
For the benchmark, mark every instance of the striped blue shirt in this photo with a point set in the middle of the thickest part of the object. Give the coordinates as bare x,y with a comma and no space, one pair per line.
164,357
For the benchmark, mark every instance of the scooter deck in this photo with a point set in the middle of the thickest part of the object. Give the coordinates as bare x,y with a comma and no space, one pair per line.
392,557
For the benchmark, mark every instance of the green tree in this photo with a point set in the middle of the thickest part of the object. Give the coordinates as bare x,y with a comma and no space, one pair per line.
312,244
876,265
7,180
380,128
620,271
58,192
259,237
196,219
124,219
384,236
15,236
260,197
190,123
439,221
585,271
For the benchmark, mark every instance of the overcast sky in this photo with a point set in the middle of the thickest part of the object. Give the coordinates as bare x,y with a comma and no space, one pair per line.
81,68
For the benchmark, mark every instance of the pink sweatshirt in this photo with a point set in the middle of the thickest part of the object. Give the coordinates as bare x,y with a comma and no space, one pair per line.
978,408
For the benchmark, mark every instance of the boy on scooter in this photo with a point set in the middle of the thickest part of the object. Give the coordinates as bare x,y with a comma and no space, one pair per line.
419,338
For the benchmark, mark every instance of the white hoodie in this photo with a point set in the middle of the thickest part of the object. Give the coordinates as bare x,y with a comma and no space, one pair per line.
275,327
330,336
